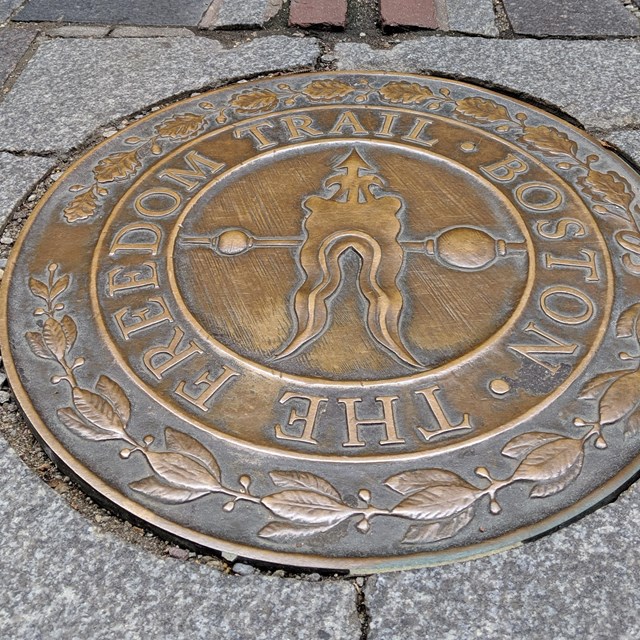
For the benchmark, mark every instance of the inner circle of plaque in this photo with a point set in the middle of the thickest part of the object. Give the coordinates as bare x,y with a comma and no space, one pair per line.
248,301
470,369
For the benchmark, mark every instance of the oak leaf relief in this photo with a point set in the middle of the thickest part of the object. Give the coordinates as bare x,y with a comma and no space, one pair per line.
81,207
481,109
255,101
405,92
548,140
117,166
327,90
181,126
608,187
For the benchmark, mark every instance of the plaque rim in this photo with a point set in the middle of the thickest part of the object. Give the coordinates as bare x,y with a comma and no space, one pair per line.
95,486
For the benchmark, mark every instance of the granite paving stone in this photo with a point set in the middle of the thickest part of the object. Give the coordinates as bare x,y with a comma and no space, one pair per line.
18,174
571,18
78,31
248,13
151,32
72,86
477,16
7,7
596,82
628,142
62,578
14,42
151,12
580,582
307,13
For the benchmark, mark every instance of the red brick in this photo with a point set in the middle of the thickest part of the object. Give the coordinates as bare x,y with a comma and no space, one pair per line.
318,13
409,13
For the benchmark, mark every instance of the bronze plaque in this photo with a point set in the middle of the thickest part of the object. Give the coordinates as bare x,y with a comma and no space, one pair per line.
355,321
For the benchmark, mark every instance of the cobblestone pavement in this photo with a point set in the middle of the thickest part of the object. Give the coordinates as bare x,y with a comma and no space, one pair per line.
75,72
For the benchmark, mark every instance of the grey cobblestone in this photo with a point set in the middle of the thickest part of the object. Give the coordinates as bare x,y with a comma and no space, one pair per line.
628,142
248,13
72,86
62,578
140,12
571,18
580,582
151,32
596,82
472,17
78,31
18,175
14,42
7,7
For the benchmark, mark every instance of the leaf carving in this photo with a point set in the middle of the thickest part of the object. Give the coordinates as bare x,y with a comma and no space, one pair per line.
81,207
405,92
117,166
412,481
552,463
75,424
182,471
327,90
437,502
439,529
36,343
521,445
555,485
164,492
59,286
304,480
182,443
481,109
548,140
70,332
97,411
287,530
599,383
608,187
116,396
54,337
620,398
632,427
181,126
307,507
255,101
39,288
628,321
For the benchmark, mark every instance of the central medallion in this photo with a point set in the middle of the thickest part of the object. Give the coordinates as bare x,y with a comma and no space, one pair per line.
337,320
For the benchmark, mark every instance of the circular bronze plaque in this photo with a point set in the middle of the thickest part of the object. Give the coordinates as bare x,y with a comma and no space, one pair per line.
343,320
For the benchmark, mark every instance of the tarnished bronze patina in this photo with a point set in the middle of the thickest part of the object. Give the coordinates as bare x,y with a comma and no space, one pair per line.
343,320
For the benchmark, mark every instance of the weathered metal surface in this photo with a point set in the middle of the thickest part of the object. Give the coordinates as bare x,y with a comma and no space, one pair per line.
344,320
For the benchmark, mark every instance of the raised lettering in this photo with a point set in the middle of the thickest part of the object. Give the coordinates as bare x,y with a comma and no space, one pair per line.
174,355
314,406
556,347
552,200
143,317
153,196
629,240
200,168
566,318
417,130
137,243
388,123
300,127
387,420
563,229
505,170
444,425
211,387
588,264
349,120
255,131
132,279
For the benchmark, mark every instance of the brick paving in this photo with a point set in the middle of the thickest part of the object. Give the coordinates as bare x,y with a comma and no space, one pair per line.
73,72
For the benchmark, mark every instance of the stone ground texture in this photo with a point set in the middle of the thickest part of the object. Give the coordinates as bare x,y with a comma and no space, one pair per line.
73,73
